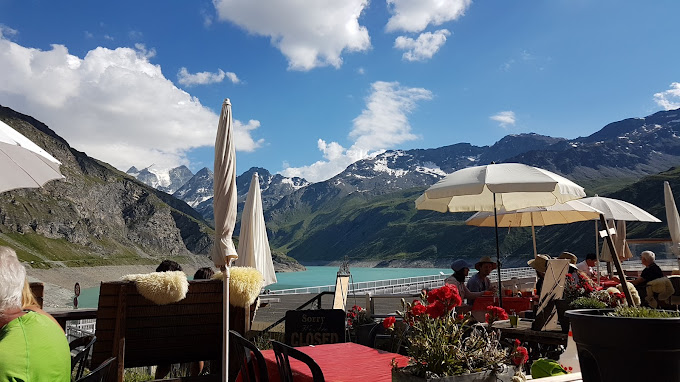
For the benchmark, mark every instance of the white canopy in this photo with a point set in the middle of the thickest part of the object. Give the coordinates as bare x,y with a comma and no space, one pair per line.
516,186
672,218
24,164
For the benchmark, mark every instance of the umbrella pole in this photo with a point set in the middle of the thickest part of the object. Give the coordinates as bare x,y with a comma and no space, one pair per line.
533,235
225,322
498,254
615,259
597,253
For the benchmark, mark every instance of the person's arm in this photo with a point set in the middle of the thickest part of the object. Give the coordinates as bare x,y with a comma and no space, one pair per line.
638,281
470,294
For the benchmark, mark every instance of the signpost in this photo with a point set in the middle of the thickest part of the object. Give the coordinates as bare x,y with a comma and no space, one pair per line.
315,327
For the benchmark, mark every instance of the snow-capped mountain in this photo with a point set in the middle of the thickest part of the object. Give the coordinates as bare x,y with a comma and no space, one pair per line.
167,181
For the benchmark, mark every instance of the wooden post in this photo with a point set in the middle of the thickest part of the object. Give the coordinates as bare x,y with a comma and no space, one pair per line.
119,337
617,263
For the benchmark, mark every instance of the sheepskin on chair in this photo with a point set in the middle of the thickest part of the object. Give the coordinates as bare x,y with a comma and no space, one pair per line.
245,284
161,287
663,286
633,293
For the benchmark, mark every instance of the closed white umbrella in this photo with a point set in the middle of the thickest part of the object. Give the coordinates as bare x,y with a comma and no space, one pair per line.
23,164
506,185
673,219
253,243
224,205
561,213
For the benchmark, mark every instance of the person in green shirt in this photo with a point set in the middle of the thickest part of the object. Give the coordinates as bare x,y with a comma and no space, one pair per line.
33,348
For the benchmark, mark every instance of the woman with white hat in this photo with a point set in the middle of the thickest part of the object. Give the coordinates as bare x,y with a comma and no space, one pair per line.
461,268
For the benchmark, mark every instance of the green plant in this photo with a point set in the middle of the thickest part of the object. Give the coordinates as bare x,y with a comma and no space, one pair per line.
587,303
440,344
642,312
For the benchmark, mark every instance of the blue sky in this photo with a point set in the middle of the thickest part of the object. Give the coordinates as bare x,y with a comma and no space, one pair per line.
316,85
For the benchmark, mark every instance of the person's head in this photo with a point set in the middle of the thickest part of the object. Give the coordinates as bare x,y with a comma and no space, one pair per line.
168,266
204,274
591,259
647,258
485,265
12,278
460,269
568,256
27,297
540,264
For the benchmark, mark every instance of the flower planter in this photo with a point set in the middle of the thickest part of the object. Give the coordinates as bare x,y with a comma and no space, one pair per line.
484,376
625,349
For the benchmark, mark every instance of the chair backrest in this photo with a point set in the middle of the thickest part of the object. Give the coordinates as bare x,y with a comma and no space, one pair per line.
98,374
141,333
83,345
283,352
245,351
38,290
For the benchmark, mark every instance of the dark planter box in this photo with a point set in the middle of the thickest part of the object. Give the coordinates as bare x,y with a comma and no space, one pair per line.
483,376
625,349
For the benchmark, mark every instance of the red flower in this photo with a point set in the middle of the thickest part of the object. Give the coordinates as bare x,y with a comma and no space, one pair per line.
460,317
520,356
436,309
495,313
388,322
517,342
418,309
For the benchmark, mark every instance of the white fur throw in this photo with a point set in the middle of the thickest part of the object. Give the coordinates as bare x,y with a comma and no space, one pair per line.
245,284
161,287
633,293
663,287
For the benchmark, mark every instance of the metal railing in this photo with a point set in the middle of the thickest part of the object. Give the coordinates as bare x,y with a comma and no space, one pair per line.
402,285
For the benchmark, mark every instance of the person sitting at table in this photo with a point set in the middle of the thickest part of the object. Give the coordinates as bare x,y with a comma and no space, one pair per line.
480,282
461,268
587,266
572,261
540,265
32,347
651,272
166,266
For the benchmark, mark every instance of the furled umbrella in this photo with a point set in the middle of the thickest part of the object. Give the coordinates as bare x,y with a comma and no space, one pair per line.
489,188
224,206
560,213
253,244
673,220
23,164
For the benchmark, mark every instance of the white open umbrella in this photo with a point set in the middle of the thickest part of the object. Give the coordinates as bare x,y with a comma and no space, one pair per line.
560,213
673,219
224,205
23,164
253,243
489,188
618,210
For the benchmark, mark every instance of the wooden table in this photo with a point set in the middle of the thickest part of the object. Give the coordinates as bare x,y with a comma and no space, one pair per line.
540,344
342,362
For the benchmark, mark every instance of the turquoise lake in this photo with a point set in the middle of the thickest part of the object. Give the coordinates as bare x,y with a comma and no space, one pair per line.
313,276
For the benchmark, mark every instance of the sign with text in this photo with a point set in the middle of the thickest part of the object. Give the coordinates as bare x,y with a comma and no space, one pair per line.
315,327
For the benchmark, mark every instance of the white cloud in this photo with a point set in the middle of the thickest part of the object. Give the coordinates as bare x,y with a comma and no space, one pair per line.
422,48
6,31
309,33
669,99
415,15
382,125
204,78
113,104
505,118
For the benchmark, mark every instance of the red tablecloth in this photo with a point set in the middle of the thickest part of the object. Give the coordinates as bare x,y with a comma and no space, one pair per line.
518,304
606,283
343,362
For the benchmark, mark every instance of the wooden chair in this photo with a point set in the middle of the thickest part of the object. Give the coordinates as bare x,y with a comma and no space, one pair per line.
246,352
140,333
283,352
79,360
38,290
98,374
